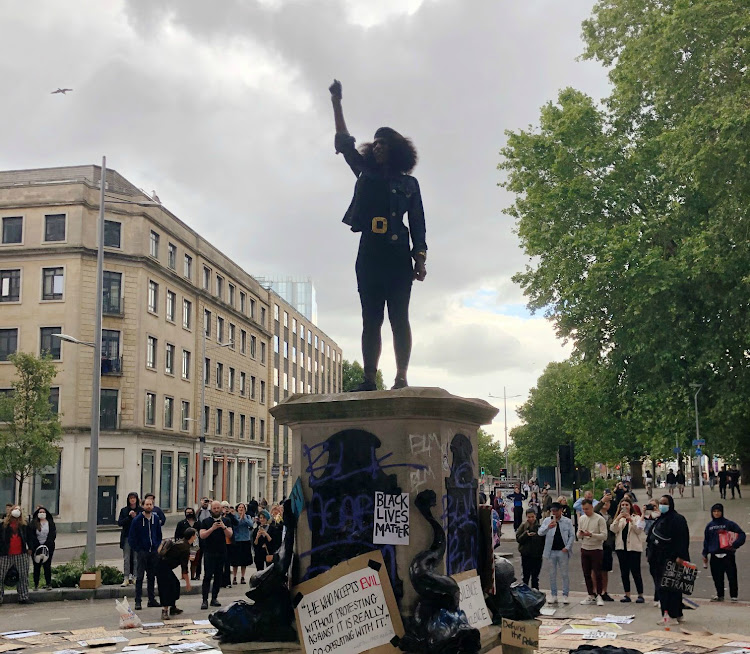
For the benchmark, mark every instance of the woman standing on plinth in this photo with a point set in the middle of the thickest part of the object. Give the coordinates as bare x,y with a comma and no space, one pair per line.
384,192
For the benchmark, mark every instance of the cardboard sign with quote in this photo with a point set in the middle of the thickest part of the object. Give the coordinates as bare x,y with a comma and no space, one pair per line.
520,633
472,599
350,608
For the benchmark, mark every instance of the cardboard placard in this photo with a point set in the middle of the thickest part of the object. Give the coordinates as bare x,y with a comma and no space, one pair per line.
351,605
679,577
472,599
391,525
520,633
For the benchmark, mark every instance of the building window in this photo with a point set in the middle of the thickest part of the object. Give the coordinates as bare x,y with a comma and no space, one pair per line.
10,285
108,418
13,229
187,314
286,319
243,301
207,322
112,234
151,409
172,256
262,430
154,245
46,490
153,296
286,382
276,312
169,359
301,334
185,416
111,362
207,371
262,351
185,364
151,344
220,287
252,387
243,341
219,375
242,426
275,376
206,278
49,345
8,343
171,303
276,344
54,399
165,482
112,292
263,316
231,380
252,428
53,283
219,421
168,412
54,227
219,329
231,294
187,267
206,415
286,350
262,392
252,309
294,325
147,472
230,429
243,381
253,343
183,465
232,340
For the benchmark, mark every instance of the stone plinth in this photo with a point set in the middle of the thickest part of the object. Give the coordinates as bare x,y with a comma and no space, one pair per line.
347,446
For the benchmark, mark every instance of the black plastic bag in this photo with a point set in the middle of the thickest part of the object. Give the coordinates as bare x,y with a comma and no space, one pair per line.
607,649
526,601
11,577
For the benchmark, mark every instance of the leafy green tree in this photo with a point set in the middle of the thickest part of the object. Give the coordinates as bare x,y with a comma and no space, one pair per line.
636,217
490,453
352,375
30,433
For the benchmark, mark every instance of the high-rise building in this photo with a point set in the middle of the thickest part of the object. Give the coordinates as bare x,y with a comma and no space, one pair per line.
300,293
166,289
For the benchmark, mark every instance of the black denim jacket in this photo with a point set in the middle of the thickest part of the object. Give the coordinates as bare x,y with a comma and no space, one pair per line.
404,195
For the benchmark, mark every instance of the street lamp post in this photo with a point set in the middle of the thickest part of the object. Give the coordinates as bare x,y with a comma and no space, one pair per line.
697,388
91,518
505,399
202,439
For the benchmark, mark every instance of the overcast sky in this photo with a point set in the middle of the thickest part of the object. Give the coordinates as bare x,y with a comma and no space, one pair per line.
223,109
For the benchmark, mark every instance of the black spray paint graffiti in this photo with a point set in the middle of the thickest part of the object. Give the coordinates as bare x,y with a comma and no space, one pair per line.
344,472
460,509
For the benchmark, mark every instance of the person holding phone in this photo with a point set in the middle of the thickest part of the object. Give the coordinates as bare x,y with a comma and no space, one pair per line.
630,537
261,540
592,532
559,536
213,533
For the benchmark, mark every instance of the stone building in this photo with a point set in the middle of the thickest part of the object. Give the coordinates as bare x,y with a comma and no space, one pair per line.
165,290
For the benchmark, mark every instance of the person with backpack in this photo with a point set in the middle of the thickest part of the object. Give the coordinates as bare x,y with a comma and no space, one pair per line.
144,538
721,539
173,553
42,534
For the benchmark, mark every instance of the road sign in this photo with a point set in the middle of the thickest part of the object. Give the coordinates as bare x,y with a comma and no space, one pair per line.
275,469
699,442
677,450
698,452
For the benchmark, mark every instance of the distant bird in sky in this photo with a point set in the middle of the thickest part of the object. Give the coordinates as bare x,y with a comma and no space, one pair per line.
63,91
155,197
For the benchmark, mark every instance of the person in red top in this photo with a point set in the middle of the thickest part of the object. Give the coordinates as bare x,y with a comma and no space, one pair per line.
14,551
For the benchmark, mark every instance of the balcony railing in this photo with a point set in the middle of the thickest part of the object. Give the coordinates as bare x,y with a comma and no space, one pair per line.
111,365
113,306
109,420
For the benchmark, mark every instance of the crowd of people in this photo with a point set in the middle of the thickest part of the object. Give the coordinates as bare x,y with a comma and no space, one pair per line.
215,541
616,527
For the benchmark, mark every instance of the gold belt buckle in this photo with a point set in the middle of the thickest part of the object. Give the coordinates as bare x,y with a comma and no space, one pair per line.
379,225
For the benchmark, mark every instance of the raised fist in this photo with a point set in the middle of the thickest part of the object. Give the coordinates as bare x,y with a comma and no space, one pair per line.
335,90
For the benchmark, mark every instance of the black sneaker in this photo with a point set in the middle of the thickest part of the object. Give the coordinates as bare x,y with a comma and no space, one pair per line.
204,605
137,606
26,601
153,604
606,597
215,602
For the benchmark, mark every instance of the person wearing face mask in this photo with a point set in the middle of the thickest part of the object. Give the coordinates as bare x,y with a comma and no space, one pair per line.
261,540
42,533
531,548
721,539
145,538
668,540
14,551
179,532
169,585
131,509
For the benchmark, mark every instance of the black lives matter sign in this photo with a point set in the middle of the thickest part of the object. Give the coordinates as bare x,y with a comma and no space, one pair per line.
391,524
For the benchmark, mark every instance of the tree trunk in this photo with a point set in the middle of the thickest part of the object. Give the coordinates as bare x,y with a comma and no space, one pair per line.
21,479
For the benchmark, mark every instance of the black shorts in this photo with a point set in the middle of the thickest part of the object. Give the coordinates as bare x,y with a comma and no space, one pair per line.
607,560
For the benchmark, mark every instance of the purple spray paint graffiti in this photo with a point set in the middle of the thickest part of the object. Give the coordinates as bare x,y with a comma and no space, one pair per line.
344,472
460,509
